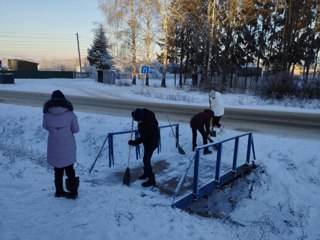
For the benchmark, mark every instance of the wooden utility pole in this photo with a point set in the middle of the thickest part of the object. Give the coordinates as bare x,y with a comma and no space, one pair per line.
133,41
148,38
79,53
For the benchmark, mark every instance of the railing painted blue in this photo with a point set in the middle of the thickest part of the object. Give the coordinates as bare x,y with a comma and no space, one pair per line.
110,138
218,180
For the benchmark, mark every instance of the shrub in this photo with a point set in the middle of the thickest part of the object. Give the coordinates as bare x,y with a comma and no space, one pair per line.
278,86
311,90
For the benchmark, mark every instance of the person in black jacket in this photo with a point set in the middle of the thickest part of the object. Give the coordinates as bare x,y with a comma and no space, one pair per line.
149,137
201,122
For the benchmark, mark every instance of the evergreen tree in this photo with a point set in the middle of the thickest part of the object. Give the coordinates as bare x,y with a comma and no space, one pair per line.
98,54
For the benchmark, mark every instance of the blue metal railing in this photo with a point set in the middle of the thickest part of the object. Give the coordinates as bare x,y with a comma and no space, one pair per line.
110,144
218,179
110,138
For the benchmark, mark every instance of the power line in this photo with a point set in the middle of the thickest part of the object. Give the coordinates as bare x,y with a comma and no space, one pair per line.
50,45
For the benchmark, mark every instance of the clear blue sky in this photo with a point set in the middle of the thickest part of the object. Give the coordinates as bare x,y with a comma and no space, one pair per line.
47,28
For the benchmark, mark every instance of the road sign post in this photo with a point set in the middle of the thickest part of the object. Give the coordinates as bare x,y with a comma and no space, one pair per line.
145,70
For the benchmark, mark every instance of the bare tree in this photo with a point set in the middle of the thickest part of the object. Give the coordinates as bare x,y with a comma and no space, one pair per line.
212,23
122,14
317,37
231,22
150,12
163,8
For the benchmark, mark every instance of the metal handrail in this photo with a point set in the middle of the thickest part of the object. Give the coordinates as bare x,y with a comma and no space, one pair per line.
195,192
109,138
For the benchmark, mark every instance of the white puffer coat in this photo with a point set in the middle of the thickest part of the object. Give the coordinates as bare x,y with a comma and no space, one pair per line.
217,105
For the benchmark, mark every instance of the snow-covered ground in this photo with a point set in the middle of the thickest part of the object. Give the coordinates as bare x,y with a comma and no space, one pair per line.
279,200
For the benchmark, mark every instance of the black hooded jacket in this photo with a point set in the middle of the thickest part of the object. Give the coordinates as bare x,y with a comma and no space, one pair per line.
148,131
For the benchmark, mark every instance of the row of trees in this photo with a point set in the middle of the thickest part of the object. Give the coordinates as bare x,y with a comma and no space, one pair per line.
133,22
276,34
210,36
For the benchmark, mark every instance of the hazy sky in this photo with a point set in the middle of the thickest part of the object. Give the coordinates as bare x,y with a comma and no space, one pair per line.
36,29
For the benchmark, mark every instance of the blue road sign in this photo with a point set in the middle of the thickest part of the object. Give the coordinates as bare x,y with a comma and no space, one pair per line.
145,69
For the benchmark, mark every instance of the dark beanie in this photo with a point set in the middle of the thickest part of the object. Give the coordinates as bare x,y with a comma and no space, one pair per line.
57,94
137,115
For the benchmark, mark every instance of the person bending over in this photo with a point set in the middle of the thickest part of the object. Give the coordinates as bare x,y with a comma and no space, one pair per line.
201,123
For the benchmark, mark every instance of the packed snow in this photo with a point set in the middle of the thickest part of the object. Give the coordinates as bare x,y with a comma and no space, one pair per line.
278,200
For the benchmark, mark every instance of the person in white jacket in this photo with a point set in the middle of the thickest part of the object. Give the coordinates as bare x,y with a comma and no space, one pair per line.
217,106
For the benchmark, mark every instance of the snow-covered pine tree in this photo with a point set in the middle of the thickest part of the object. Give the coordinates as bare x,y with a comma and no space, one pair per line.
98,54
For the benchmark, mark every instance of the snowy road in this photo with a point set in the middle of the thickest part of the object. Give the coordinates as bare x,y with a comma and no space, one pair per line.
307,124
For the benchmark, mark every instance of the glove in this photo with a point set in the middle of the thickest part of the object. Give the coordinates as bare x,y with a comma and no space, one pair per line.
131,142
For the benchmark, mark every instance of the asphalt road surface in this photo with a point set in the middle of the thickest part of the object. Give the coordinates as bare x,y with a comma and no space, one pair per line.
288,123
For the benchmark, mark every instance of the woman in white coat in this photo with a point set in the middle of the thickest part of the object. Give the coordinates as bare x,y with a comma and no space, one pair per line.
217,106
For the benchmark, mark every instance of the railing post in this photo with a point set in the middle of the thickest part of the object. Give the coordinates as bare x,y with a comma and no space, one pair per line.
136,135
196,174
253,151
110,145
235,155
159,141
177,135
218,164
249,148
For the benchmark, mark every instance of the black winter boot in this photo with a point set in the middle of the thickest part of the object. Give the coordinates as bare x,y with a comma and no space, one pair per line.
59,189
72,186
151,182
206,151
144,175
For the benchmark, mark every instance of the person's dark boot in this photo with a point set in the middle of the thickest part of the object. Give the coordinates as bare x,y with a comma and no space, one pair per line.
72,186
59,189
143,176
206,151
151,182
194,147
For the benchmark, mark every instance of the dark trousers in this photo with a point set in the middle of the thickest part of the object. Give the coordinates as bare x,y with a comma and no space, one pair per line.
58,173
147,162
194,136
